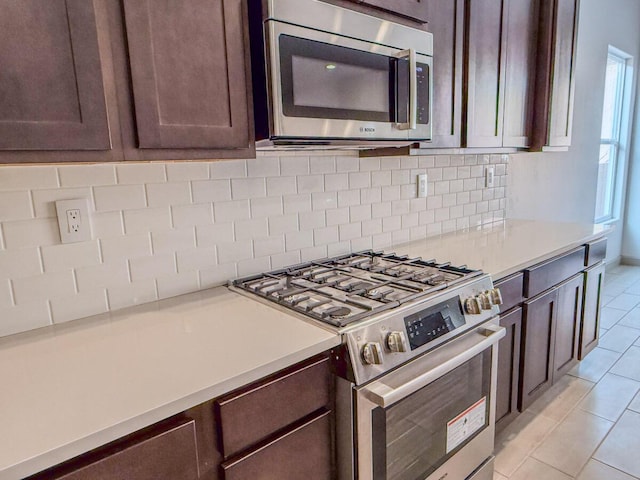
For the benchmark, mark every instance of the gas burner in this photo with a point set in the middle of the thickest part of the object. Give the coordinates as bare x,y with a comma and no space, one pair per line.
337,312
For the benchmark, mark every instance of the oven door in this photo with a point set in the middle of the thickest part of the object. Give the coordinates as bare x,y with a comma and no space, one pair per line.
327,86
434,417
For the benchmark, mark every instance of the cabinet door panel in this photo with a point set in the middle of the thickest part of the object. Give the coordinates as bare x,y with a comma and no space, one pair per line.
536,374
485,72
304,452
590,330
508,368
188,72
567,326
446,22
520,54
51,87
415,9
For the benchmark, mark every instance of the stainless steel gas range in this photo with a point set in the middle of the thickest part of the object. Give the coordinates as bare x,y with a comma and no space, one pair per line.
416,373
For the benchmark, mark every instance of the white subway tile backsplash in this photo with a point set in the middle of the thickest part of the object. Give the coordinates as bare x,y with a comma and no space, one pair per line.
248,229
187,171
205,191
15,206
228,169
169,241
171,228
43,287
147,220
119,197
134,293
224,212
28,177
74,255
167,194
20,262
83,304
264,167
191,215
30,233
130,246
291,166
140,173
246,188
24,317
179,284
104,275
87,175
283,224
44,200
143,268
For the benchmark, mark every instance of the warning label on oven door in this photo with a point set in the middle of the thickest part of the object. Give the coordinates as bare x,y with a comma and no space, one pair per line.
466,424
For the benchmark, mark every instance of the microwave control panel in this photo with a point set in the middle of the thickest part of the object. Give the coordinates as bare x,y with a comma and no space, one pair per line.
422,73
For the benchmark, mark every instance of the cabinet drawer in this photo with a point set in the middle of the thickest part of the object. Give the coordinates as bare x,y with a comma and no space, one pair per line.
255,412
545,275
170,453
302,452
595,252
511,290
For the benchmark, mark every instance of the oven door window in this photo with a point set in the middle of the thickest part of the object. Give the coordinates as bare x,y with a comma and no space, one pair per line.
320,80
415,436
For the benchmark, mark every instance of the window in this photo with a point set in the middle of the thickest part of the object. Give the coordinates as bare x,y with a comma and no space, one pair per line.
615,119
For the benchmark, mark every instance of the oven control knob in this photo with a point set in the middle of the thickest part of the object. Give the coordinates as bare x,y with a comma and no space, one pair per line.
372,354
472,306
485,301
496,296
397,342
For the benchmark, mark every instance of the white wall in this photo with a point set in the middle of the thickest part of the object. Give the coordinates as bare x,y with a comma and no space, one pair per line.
562,186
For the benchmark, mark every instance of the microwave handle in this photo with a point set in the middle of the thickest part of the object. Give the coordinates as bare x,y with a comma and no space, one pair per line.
383,396
413,89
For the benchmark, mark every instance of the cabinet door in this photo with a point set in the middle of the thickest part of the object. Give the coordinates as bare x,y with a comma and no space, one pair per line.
556,78
485,73
446,22
415,9
536,374
521,48
568,318
508,368
590,329
187,63
51,87
303,452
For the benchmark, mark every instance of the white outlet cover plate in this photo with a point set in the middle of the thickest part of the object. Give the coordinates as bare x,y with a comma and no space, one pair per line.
83,233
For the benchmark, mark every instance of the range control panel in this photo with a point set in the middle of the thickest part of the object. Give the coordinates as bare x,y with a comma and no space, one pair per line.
427,325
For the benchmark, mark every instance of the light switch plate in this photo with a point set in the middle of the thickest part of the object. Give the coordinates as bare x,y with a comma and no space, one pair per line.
490,177
73,220
422,185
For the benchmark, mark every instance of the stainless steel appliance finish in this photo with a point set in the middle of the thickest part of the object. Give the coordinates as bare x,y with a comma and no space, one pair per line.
326,76
416,397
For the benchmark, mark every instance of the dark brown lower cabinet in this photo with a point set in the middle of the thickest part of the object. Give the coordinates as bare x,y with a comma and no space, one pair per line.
538,340
568,319
590,329
508,368
302,452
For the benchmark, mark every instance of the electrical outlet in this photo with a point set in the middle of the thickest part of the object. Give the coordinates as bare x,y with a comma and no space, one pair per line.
73,220
490,177
422,185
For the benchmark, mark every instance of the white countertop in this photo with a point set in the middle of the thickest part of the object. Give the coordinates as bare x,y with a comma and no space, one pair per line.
70,388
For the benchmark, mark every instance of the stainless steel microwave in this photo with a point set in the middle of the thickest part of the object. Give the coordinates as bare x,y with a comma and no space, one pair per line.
329,76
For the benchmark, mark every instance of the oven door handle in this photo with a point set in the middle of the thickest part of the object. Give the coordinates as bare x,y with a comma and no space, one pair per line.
384,396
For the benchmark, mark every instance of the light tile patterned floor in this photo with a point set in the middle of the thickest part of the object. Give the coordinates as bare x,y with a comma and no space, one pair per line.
587,426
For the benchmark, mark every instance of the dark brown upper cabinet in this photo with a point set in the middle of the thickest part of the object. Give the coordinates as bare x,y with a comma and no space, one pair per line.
188,71
413,9
51,89
446,23
124,80
500,76
555,80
